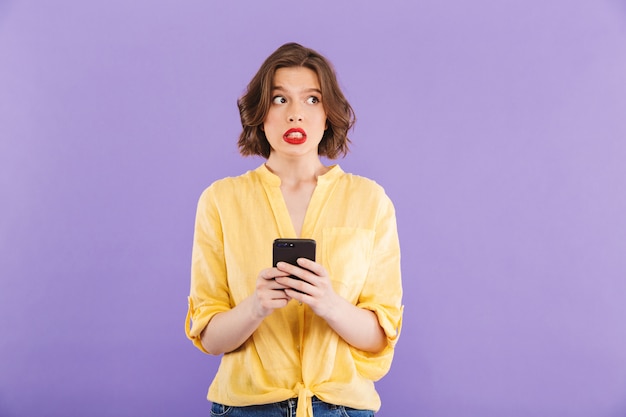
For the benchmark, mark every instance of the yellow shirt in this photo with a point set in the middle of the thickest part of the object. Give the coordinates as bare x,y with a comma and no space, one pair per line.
294,353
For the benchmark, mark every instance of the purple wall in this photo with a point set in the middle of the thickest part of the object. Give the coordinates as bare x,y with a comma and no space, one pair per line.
498,128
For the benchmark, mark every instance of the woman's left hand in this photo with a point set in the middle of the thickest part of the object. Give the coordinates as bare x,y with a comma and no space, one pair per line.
359,327
314,287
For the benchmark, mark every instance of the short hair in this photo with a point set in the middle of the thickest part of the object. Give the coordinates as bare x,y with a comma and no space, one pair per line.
255,103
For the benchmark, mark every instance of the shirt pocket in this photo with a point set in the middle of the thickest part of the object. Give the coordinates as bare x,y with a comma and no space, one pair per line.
347,253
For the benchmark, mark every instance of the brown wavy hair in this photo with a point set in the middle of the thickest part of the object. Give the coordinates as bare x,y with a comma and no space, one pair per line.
255,103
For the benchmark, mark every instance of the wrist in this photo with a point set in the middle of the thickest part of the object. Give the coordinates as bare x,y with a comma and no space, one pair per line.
256,310
333,312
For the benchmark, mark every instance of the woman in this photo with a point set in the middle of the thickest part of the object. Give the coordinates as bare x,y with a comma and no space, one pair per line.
308,339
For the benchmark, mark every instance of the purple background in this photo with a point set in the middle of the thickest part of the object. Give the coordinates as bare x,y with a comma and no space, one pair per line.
497,127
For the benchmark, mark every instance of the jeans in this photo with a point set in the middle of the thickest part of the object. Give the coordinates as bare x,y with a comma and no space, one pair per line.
287,408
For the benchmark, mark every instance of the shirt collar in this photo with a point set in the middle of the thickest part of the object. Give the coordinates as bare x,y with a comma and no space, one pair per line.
270,178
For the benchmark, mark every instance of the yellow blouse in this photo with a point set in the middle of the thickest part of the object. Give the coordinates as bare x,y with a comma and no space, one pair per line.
294,353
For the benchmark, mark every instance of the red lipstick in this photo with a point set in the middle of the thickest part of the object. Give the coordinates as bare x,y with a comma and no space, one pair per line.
295,136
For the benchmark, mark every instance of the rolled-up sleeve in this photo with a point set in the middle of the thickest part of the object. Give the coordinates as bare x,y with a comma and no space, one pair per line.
209,293
382,293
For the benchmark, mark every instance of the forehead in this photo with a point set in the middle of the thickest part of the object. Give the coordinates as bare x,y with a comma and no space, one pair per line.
295,78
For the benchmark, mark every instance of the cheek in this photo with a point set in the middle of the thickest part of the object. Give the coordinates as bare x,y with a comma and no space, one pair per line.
271,118
322,120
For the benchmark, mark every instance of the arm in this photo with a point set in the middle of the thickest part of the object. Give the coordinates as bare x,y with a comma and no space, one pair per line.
215,323
228,330
357,326
370,324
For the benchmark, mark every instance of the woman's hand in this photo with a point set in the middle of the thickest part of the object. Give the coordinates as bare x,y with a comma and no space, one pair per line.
227,331
269,294
357,326
314,287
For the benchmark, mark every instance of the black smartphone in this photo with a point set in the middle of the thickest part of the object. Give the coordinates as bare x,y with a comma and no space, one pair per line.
289,250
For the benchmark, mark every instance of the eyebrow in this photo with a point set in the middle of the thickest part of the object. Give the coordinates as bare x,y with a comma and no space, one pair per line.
306,90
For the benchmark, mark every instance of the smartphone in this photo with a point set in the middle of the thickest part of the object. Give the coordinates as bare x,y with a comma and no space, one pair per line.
289,250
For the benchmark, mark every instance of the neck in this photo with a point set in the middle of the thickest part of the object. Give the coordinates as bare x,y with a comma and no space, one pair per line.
297,170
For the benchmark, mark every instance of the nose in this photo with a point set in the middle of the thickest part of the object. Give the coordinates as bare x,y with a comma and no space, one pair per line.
295,114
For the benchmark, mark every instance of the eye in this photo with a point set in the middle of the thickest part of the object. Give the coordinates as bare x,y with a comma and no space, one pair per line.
312,100
279,100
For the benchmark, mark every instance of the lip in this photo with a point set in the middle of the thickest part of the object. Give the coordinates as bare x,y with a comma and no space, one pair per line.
295,140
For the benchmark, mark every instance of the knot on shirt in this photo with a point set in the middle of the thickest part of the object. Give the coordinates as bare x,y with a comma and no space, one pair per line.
305,406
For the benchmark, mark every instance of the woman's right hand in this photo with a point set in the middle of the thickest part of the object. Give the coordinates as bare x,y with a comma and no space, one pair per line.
228,330
269,294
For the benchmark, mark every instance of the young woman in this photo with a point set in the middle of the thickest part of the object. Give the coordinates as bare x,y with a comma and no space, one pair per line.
306,340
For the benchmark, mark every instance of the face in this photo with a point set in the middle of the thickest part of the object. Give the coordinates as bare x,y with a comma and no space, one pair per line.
296,119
